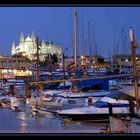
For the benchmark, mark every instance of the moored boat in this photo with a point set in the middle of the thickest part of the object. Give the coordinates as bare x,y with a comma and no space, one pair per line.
100,109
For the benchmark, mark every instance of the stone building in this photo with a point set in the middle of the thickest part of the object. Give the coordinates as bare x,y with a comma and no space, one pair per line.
28,47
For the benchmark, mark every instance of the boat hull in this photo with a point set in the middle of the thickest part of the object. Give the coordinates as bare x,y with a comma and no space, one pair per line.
93,117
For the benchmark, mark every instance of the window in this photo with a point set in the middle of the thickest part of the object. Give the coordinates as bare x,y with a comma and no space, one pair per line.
118,66
59,100
71,101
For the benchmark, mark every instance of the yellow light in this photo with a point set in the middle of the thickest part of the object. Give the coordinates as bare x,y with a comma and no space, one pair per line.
15,71
82,57
23,54
27,71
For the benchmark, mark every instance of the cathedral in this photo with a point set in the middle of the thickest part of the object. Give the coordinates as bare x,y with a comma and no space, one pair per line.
29,48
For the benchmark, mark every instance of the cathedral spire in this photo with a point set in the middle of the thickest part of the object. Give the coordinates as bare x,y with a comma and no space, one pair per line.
33,36
13,44
13,51
43,42
22,37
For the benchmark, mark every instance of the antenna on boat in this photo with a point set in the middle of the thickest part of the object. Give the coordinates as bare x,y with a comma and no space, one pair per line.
75,33
133,47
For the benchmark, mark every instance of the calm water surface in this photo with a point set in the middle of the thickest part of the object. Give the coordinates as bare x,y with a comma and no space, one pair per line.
25,122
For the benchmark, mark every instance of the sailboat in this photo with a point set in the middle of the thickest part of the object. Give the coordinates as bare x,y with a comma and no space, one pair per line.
133,123
99,110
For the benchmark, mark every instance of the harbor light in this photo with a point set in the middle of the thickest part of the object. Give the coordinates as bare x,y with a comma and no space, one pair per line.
27,71
30,72
15,71
24,54
126,60
82,57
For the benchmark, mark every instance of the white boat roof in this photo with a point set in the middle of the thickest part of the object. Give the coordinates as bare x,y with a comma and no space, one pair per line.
129,90
84,94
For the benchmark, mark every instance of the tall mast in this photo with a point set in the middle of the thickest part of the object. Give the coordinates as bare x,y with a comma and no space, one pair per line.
82,37
37,61
75,34
89,45
133,47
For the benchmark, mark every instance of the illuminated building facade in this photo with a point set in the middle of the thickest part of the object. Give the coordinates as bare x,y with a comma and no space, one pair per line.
14,66
124,61
28,47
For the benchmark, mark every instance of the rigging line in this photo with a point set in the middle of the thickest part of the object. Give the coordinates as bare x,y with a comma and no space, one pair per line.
129,46
113,23
94,41
124,17
126,21
115,26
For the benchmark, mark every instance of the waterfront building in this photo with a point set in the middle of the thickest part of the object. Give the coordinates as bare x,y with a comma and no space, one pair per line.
124,61
95,61
14,66
28,47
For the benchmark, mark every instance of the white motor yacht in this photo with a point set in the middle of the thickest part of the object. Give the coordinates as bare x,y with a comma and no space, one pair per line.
100,109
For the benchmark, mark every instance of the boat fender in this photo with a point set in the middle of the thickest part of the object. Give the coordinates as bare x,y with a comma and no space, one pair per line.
35,112
16,108
27,101
90,100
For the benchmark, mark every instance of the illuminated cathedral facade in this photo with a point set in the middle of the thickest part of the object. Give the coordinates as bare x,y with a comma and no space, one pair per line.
28,47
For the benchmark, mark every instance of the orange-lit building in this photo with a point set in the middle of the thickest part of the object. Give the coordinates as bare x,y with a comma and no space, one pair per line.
14,66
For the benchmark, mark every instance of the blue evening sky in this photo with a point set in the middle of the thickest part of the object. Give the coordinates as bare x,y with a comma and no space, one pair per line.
57,24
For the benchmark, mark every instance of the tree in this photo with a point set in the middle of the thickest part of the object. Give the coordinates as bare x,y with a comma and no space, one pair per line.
54,59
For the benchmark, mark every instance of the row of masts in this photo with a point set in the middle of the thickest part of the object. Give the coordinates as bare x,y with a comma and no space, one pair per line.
83,50
133,48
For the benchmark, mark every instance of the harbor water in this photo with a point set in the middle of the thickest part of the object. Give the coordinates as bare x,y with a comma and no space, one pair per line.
25,122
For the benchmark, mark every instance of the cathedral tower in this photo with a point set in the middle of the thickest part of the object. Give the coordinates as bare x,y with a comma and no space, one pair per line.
22,37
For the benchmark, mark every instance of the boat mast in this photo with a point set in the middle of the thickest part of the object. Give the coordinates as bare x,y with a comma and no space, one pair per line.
75,33
133,47
123,47
89,45
37,61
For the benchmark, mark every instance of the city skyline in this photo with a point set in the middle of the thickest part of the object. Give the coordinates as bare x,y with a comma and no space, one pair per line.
104,24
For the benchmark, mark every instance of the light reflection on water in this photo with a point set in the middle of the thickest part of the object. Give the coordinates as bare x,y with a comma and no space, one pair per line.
25,122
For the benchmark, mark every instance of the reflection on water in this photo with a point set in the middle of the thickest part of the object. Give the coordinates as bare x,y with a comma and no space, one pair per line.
26,122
